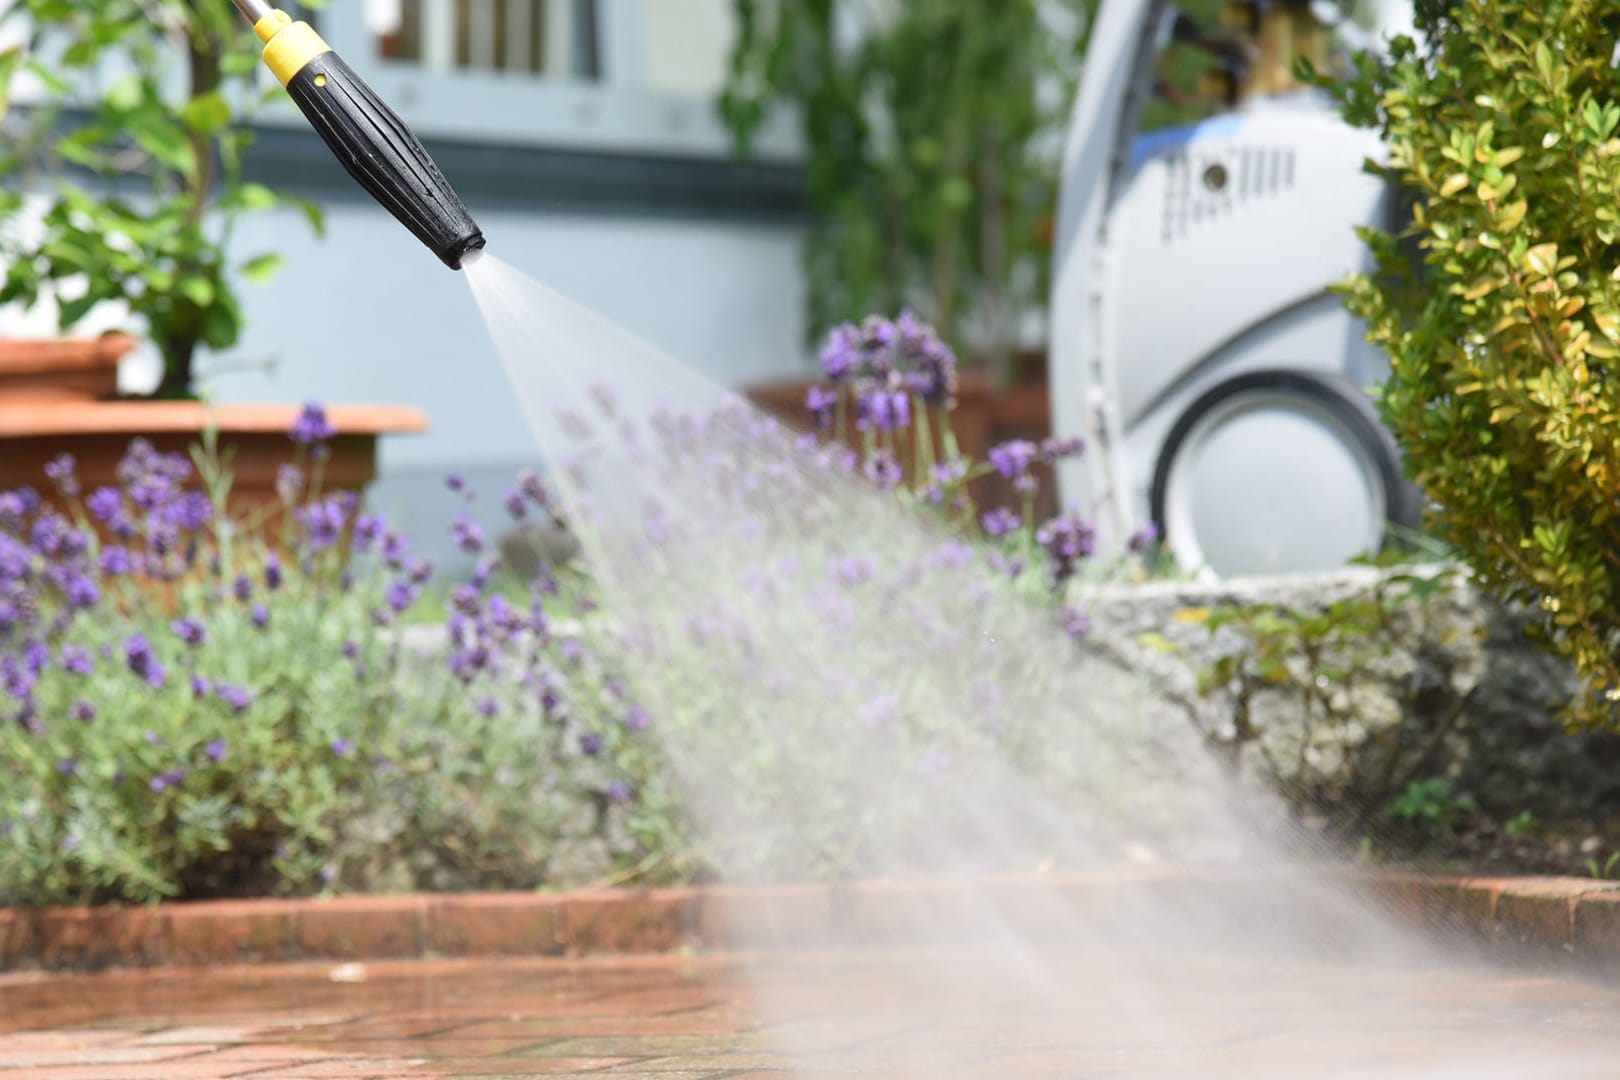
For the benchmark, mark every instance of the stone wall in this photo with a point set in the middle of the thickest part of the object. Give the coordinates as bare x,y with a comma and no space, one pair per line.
1453,690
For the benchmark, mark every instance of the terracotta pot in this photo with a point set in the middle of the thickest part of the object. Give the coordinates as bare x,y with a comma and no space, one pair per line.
40,372
98,434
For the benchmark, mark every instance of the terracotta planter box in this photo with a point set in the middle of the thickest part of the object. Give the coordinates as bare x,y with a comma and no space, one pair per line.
39,372
98,435
984,417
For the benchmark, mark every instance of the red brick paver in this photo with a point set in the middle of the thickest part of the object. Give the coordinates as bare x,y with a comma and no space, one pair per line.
895,1014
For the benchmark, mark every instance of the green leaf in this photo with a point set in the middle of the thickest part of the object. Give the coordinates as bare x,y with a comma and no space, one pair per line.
1158,643
127,94
260,270
10,63
199,290
1543,259
253,197
163,139
313,214
206,114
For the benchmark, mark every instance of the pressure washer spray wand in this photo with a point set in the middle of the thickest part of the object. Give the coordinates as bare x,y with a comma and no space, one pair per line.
369,139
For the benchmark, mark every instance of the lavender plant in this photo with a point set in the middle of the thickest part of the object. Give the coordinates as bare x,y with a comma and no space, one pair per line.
891,386
192,711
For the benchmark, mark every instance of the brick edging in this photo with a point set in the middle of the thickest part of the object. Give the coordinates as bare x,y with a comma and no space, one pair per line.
1573,916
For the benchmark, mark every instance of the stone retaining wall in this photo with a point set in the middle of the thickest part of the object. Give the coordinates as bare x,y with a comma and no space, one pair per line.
1461,693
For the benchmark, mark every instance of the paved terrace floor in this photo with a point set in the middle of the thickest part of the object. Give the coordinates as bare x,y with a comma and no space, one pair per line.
812,1016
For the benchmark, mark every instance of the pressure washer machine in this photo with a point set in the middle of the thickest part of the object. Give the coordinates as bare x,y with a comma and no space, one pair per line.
1223,392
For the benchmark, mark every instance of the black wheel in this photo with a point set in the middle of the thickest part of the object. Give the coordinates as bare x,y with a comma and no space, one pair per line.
1277,471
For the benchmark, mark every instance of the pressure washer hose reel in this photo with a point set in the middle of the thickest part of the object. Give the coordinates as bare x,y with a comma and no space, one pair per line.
367,137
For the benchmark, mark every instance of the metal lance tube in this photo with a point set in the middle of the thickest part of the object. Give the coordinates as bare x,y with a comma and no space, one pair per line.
368,138
255,10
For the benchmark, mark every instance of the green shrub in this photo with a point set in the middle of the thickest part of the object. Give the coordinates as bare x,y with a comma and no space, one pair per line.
1501,127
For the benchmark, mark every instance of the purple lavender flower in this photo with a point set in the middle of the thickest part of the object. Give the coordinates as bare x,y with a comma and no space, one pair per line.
289,483
143,663
311,426
1013,459
487,707
468,662
394,549
999,522
242,588
466,599
76,660
82,711
421,571
350,650
215,750
165,780
1066,541
517,507
260,617
82,592
189,513
67,767
1075,623
944,476
1055,449
484,571
852,570
883,410
636,719
455,482
322,522
822,404
400,595
842,352
368,530
272,572
883,470
237,697
1144,538
16,679
342,747
190,630
929,363
469,537
117,561
617,791
106,504
200,686
530,485
60,471
1010,565
590,743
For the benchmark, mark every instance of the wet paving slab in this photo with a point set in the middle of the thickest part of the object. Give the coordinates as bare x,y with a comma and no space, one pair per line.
891,1014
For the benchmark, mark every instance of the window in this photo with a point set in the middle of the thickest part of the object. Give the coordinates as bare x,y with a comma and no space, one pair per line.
554,38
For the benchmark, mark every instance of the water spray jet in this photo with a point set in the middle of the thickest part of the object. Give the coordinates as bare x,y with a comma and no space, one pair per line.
368,138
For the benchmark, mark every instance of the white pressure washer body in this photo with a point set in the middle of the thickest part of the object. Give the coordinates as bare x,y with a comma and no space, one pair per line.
1221,389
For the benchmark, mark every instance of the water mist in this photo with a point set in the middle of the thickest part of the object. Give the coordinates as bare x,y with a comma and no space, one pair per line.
845,691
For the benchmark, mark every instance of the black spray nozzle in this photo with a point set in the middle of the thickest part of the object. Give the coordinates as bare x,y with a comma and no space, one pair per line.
368,138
